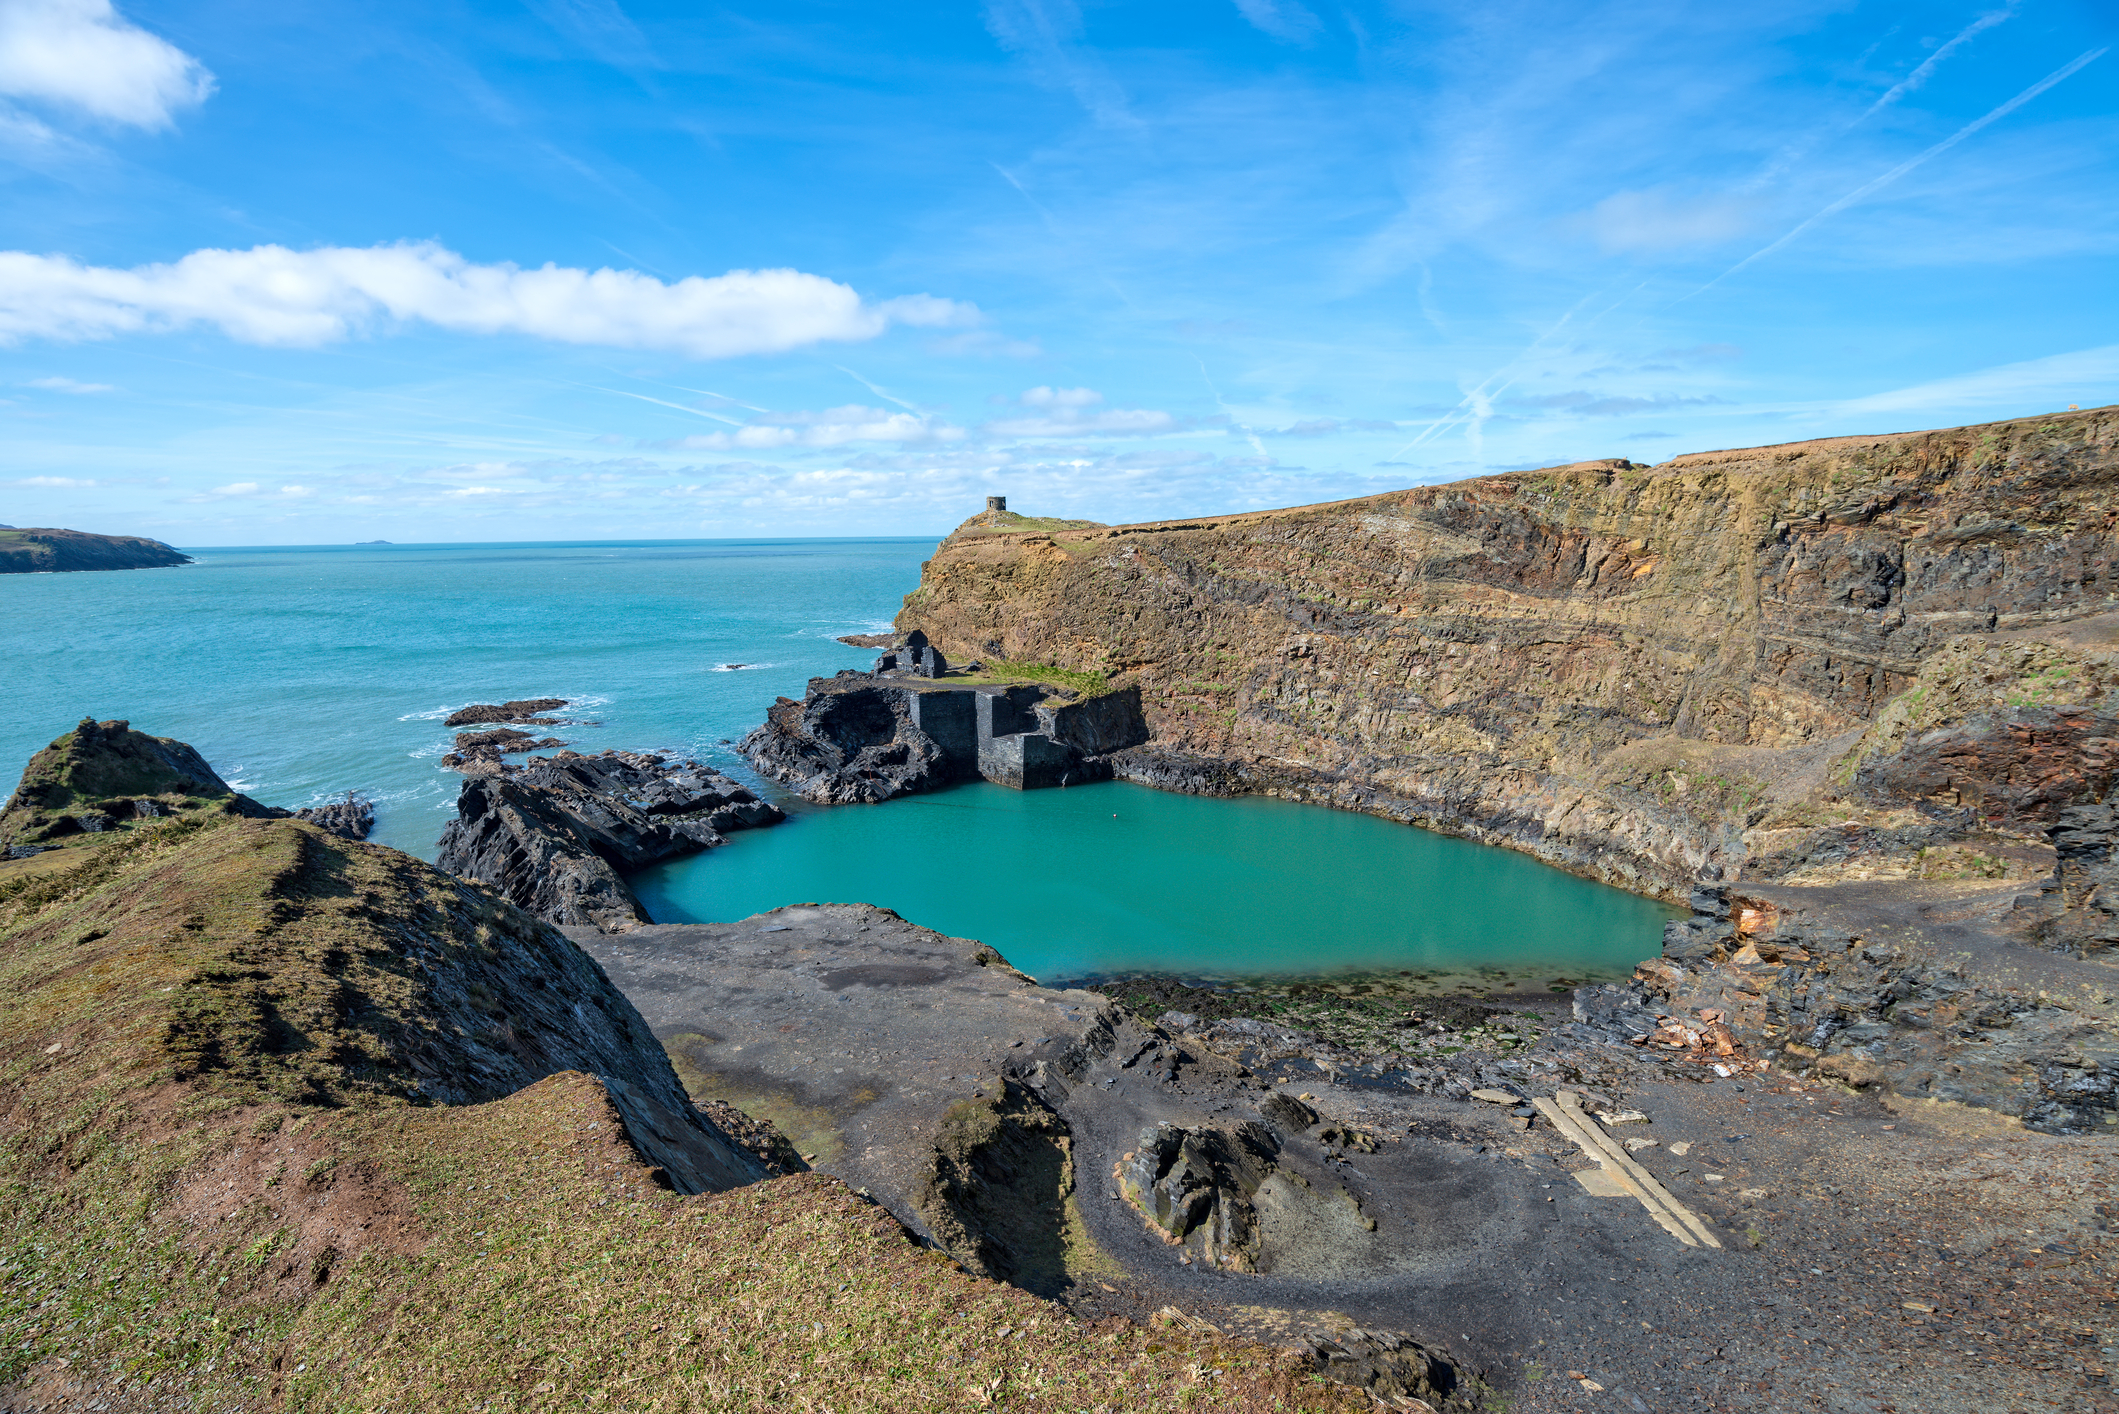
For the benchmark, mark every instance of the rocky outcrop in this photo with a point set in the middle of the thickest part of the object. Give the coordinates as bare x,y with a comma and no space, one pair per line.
1880,985
518,710
1650,675
554,836
105,776
349,819
44,551
861,739
2080,912
849,742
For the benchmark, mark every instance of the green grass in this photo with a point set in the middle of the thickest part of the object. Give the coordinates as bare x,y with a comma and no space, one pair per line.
1082,684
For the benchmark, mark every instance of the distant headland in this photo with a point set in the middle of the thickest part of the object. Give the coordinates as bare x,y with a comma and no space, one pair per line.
47,551
372,542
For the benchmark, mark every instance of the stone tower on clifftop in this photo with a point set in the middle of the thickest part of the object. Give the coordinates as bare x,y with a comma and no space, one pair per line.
996,503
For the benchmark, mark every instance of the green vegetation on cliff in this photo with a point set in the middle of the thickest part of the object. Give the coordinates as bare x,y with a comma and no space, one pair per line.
104,776
44,551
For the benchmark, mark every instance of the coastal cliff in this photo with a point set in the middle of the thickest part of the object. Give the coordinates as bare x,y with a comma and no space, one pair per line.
1826,660
46,551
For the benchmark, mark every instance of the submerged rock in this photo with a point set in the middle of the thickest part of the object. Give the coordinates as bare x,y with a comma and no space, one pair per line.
552,836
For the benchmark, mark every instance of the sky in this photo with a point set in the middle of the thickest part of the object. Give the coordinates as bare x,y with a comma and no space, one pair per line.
310,272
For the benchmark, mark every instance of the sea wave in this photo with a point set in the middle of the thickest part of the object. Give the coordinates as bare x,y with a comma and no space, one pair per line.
739,667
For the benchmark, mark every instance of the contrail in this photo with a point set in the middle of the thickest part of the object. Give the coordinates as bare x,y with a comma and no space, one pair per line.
2065,71
1484,392
1928,66
888,397
663,402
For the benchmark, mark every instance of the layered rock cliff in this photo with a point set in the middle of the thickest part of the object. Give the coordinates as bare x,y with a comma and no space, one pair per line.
1860,657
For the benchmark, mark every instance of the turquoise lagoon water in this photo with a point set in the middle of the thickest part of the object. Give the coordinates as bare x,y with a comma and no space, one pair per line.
305,672
1117,878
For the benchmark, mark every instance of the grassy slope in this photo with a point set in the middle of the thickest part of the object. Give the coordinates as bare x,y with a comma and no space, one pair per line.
206,1204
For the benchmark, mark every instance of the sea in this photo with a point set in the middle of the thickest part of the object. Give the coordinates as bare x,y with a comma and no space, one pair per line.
305,672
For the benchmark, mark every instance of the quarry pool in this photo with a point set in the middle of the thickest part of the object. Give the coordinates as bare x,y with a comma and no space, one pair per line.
1117,879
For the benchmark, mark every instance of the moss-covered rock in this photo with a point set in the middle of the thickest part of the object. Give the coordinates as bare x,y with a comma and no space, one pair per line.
106,776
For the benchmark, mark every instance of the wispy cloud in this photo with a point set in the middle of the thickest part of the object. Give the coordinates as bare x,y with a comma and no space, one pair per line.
1285,20
831,427
56,384
275,296
83,55
1076,412
1046,34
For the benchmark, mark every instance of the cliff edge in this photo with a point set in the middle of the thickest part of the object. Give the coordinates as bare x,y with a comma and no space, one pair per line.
46,551
1857,658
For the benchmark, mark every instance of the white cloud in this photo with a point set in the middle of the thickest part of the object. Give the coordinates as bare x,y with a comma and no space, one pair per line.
83,54
50,481
57,384
1285,20
833,427
1073,412
275,296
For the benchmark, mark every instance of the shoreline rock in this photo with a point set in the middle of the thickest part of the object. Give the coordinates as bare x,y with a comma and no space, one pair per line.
553,836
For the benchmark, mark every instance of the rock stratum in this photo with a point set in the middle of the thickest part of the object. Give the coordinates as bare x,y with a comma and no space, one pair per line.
1860,657
48,551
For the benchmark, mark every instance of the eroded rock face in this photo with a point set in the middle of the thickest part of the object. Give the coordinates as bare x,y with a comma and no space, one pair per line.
1649,675
849,744
553,836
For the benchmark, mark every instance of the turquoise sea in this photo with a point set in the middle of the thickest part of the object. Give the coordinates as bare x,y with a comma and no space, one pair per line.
305,672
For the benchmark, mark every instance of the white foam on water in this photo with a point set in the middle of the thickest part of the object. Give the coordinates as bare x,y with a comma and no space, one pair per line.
739,667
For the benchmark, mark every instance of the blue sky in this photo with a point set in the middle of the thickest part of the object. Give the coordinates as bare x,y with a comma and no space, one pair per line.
311,272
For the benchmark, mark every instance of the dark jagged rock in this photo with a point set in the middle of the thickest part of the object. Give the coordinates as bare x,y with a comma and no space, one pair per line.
552,836
849,744
45,551
105,775
860,739
521,710
349,819
2079,908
